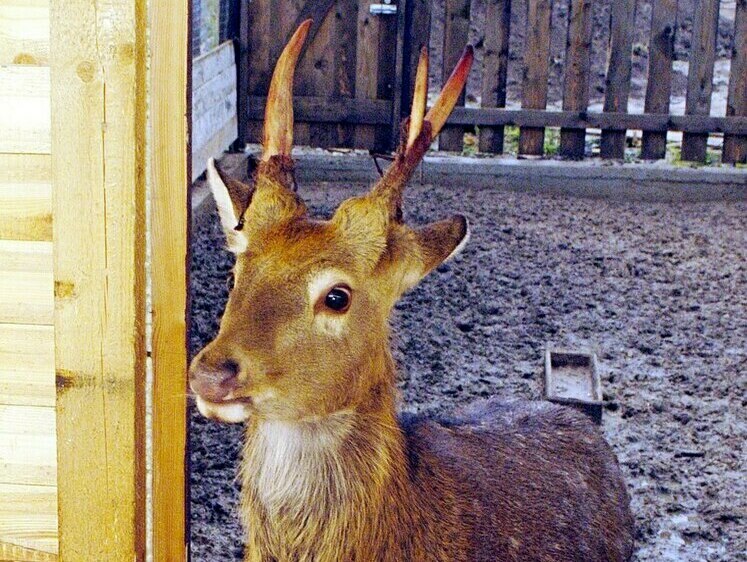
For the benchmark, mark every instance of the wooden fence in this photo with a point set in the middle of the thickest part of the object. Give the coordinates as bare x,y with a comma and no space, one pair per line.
354,83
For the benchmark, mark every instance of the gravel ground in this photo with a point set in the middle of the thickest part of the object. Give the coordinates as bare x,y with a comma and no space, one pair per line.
659,290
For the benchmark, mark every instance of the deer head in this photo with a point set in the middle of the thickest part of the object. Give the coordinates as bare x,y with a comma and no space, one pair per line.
305,329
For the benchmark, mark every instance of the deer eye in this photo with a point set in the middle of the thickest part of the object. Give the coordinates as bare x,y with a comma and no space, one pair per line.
338,298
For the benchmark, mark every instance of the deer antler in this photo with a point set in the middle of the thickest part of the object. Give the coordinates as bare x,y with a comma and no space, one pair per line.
421,130
278,131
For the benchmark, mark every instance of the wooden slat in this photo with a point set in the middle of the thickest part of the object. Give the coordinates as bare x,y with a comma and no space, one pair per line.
617,83
367,69
316,75
588,120
735,147
322,110
495,68
700,75
417,35
213,148
243,67
28,517
13,553
24,109
25,211
211,64
456,34
577,66
659,82
27,365
346,25
213,106
26,283
28,446
25,168
536,72
98,57
24,32
170,220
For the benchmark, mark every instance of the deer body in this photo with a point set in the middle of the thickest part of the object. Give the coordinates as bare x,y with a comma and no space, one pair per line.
329,472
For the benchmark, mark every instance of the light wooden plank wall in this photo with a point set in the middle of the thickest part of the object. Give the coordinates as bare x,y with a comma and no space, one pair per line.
28,461
24,32
97,57
214,117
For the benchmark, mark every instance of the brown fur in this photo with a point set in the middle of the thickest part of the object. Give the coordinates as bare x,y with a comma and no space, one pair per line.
329,472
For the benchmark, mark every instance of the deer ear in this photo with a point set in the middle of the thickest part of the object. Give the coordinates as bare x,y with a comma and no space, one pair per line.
435,243
232,198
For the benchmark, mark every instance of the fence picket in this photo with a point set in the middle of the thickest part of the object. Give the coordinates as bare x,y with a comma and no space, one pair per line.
659,83
617,85
700,75
495,68
536,71
417,35
735,146
456,34
577,66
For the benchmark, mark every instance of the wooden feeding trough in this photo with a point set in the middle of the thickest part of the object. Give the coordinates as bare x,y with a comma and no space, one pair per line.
572,378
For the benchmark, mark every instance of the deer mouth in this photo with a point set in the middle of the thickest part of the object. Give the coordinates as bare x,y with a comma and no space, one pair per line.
229,411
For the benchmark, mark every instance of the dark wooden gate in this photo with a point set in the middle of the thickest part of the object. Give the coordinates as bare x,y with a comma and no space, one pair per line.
355,81
346,79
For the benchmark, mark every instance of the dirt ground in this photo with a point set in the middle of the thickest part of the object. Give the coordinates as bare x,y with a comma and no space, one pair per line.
659,290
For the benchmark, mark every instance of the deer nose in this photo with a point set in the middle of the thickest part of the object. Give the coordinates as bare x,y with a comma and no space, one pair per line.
214,382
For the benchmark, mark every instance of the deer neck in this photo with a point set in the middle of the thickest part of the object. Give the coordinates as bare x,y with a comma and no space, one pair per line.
308,479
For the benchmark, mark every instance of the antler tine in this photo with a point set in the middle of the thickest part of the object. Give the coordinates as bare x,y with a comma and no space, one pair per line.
419,98
278,129
422,130
450,93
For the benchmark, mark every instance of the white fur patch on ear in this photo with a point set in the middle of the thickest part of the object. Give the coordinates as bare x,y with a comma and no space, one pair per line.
461,244
236,241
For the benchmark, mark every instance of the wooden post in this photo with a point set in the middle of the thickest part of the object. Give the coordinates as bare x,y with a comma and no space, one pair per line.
495,69
700,75
659,83
617,87
417,35
170,71
456,34
576,86
98,56
735,146
536,72
242,74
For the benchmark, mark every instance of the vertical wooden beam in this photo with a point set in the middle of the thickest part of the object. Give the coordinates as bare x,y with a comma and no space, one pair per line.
495,68
735,146
576,84
170,79
617,86
399,62
242,73
371,73
346,24
417,36
536,72
659,83
456,35
700,75
98,57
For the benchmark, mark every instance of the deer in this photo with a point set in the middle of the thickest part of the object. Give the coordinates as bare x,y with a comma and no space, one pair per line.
330,472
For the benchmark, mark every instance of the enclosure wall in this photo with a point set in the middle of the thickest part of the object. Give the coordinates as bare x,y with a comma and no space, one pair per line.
28,466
